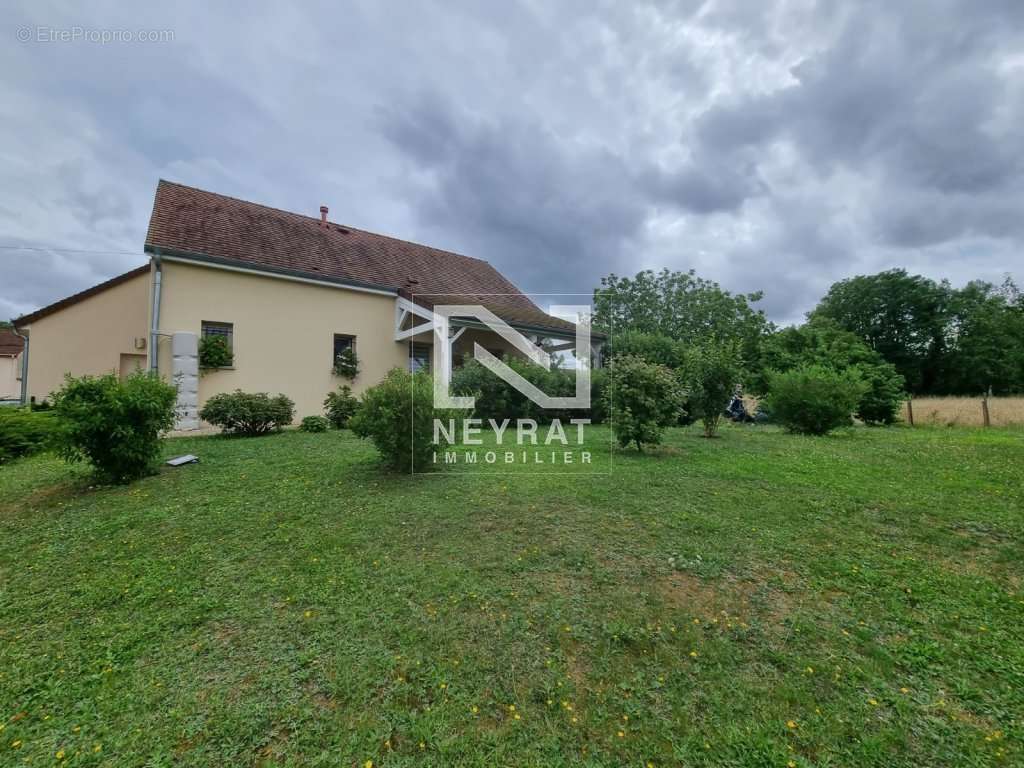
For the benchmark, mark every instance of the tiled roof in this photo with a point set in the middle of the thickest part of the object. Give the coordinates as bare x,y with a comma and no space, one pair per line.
191,222
11,343
74,299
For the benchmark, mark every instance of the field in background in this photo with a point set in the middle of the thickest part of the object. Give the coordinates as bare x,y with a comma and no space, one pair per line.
966,411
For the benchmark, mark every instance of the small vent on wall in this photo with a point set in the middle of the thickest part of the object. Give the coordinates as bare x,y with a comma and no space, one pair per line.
140,342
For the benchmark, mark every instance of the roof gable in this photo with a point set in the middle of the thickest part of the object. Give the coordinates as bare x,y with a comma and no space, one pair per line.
49,309
192,222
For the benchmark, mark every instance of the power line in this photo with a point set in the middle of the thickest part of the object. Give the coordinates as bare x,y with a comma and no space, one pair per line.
67,250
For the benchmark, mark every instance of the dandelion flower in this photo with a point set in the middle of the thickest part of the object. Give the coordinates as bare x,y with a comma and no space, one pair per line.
60,754
693,654
873,702
621,734
791,724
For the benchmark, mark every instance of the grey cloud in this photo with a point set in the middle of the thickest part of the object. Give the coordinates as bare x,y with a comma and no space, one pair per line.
775,145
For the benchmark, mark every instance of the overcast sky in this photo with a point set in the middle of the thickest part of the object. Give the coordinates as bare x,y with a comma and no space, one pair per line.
766,144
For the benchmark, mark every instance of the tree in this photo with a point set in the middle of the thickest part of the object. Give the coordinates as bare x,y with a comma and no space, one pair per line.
712,374
681,306
821,341
643,399
986,340
902,317
651,347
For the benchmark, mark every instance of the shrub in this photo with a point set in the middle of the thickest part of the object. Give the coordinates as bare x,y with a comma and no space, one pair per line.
24,432
114,424
245,413
340,406
314,424
398,416
711,374
882,400
214,352
598,395
346,364
496,399
814,399
643,398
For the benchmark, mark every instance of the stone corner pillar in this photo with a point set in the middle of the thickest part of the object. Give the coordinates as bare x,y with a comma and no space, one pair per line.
185,375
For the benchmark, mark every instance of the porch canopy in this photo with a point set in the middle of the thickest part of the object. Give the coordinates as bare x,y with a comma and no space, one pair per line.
505,325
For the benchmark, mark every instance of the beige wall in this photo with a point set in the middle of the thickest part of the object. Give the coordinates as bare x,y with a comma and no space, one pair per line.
283,332
87,337
10,377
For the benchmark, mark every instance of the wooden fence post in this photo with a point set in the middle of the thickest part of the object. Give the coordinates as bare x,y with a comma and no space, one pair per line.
984,408
910,410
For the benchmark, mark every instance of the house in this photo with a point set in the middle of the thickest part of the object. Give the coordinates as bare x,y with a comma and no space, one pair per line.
285,292
11,347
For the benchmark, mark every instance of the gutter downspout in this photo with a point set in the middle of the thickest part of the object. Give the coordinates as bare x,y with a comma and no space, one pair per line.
24,367
154,329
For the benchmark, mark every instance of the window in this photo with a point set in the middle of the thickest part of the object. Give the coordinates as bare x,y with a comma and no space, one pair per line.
216,345
225,331
419,357
342,341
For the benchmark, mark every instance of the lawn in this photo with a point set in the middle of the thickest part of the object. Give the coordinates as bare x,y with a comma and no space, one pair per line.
761,600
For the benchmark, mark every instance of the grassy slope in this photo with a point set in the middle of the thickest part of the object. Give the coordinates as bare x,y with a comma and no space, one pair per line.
759,599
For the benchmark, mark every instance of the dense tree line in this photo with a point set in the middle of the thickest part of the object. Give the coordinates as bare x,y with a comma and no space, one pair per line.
898,330
943,340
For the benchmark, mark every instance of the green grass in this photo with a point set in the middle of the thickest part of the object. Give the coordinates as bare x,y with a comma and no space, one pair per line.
762,598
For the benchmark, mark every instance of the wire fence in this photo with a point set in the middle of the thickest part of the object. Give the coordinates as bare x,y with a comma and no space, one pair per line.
964,411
